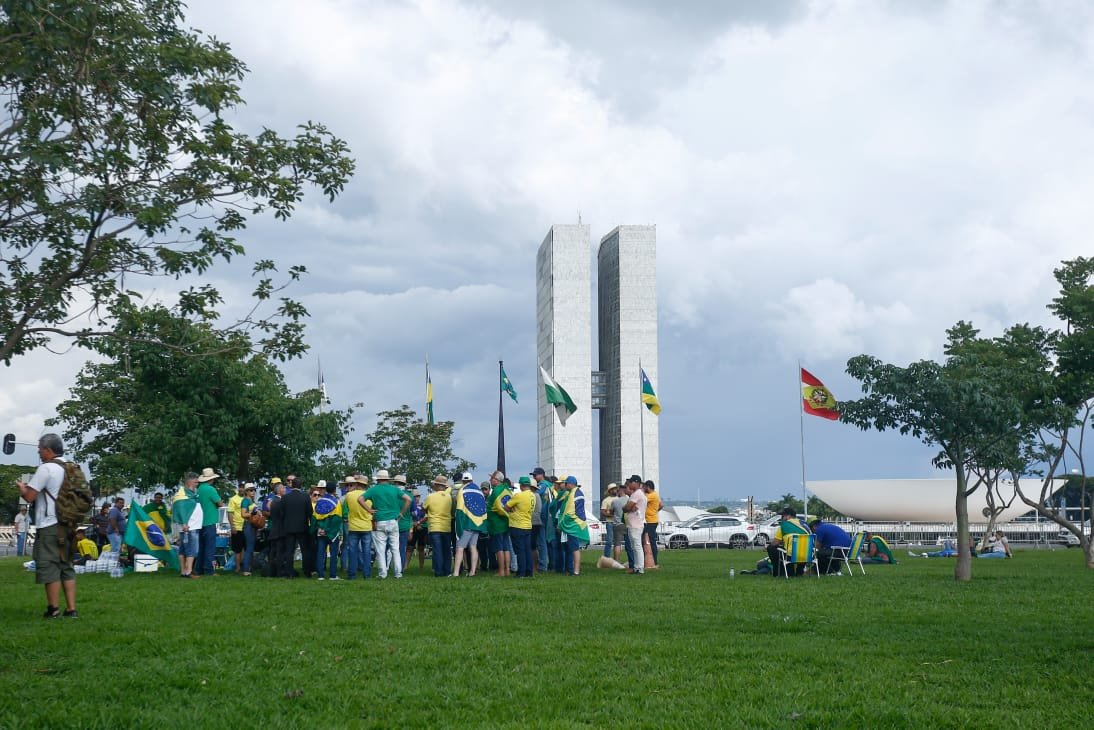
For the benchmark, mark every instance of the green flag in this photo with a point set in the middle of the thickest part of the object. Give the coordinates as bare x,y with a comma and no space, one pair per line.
146,536
507,386
558,397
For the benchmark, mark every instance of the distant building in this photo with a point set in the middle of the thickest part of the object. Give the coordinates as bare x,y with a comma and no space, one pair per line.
627,336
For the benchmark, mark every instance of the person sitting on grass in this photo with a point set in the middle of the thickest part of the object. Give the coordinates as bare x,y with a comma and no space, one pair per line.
998,547
877,550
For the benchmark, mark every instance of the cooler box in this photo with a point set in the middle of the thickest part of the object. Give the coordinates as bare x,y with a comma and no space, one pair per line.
145,564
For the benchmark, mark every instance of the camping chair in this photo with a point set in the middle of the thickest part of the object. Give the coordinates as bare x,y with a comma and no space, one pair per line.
798,550
847,554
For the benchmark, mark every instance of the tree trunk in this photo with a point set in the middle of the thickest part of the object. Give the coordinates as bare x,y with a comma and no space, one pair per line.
1088,550
963,569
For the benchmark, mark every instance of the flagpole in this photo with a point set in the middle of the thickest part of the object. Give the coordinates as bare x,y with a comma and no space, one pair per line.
642,419
801,427
501,422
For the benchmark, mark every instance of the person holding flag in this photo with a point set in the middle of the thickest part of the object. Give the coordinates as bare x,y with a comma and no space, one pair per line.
187,515
470,519
328,520
497,521
145,536
572,520
519,507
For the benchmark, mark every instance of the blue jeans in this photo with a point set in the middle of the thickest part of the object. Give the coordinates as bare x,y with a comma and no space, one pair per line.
560,555
609,536
21,544
629,548
540,544
248,545
359,550
115,539
323,542
207,548
522,544
404,536
441,542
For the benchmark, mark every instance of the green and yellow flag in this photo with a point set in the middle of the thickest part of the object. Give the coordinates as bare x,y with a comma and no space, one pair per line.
146,537
648,396
470,510
572,519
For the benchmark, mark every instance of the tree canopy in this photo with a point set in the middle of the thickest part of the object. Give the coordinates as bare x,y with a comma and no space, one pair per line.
408,445
116,161
148,414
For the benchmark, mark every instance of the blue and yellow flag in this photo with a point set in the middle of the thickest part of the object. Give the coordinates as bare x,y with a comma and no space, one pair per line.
470,510
147,537
572,519
648,396
326,507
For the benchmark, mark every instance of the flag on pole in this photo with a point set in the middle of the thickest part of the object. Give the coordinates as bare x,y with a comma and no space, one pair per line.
428,397
816,399
648,396
507,386
146,536
559,398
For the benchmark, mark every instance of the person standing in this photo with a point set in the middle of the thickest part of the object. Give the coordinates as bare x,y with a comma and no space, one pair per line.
116,525
573,522
275,524
406,519
247,508
101,522
157,510
388,505
419,531
209,498
497,522
187,516
520,507
296,511
635,519
470,522
21,521
438,510
619,530
541,535
606,518
328,521
359,532
237,541
53,567
653,508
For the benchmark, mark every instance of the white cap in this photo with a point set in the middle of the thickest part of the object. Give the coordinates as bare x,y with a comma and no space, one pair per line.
467,477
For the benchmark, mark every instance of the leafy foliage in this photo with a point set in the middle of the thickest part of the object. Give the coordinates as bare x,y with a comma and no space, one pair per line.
116,161
148,414
410,446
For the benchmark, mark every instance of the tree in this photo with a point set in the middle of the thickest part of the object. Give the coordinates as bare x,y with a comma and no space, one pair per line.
116,161
415,448
966,406
787,500
9,493
819,508
147,414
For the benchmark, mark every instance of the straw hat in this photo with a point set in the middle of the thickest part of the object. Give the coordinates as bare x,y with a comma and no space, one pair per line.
208,475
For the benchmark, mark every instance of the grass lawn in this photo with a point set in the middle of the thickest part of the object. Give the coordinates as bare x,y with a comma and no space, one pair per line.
686,646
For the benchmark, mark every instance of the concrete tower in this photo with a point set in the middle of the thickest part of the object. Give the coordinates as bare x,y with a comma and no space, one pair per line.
627,298
564,349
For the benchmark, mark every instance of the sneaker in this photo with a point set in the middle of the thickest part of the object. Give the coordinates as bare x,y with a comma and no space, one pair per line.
914,555
194,576
71,614
334,578
322,578
51,612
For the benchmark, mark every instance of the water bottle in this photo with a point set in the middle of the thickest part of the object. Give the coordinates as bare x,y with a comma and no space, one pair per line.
732,573
116,572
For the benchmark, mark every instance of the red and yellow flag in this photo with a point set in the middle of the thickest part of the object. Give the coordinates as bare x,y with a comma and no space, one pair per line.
816,399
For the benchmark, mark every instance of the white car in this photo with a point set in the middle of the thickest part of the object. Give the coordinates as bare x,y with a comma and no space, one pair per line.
597,531
706,530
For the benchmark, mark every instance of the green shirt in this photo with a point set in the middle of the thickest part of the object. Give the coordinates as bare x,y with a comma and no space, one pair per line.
406,522
387,500
208,497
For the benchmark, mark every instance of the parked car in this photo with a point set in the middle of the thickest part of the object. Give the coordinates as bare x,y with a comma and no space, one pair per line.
707,530
765,531
1067,537
597,531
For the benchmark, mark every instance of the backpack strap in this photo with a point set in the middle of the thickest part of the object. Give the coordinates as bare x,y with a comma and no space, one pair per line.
45,491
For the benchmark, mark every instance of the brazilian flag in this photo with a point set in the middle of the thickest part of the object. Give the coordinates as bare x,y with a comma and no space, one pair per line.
325,508
146,536
572,516
470,510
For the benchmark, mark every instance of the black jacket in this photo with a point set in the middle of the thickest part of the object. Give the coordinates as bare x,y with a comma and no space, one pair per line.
296,510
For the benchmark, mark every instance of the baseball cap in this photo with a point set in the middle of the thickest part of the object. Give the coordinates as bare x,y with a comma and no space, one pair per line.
467,477
526,481
571,480
539,472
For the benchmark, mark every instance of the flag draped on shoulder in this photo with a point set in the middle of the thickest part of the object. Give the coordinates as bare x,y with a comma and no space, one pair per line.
816,399
559,398
470,510
183,506
572,515
146,536
648,396
507,386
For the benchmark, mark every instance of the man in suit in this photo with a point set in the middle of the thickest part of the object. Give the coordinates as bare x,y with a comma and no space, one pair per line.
295,511
276,524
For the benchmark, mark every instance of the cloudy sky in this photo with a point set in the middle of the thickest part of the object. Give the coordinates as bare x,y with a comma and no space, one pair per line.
827,178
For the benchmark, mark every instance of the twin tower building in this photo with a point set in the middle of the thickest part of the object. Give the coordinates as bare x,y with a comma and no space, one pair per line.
626,316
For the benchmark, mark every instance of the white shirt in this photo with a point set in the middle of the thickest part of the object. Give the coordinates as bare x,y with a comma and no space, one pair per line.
636,520
196,518
48,478
20,523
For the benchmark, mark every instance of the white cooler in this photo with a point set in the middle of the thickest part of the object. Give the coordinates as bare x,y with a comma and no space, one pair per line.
145,564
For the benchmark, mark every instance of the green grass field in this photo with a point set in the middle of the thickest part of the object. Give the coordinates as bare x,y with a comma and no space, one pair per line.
904,646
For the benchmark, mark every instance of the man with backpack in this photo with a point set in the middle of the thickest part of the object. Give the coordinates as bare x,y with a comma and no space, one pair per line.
52,548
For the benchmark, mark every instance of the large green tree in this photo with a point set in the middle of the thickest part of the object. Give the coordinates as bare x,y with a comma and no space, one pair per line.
413,447
147,414
117,160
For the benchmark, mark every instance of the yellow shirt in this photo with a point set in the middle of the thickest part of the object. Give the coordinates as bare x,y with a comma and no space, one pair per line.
360,519
235,512
653,506
522,503
438,507
87,549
